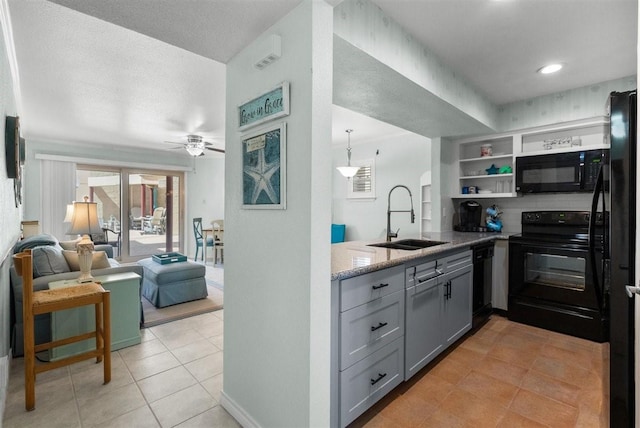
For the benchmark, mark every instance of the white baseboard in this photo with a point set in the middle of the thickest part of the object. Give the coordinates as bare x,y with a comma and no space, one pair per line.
237,412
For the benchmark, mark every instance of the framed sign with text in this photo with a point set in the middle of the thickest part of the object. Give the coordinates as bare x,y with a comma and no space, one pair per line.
264,164
268,106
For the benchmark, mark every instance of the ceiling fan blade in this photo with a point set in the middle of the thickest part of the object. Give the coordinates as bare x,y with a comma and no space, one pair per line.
215,150
173,142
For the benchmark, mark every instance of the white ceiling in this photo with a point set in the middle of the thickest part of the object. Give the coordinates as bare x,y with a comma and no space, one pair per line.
85,78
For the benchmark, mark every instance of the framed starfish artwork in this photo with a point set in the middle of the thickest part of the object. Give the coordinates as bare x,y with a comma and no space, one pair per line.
264,168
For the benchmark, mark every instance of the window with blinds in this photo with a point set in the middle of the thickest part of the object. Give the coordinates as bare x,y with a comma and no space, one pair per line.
362,185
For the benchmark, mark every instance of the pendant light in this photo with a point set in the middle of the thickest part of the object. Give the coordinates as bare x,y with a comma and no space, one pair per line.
348,171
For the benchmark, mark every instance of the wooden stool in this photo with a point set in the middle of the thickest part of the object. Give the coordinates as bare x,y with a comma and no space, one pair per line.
41,302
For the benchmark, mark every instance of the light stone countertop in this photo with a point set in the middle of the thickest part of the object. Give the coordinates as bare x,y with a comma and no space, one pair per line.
354,258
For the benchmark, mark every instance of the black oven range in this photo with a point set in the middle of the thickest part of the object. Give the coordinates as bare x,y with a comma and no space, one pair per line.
553,274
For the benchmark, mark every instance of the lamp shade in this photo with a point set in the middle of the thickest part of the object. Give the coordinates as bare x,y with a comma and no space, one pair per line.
348,171
69,215
84,219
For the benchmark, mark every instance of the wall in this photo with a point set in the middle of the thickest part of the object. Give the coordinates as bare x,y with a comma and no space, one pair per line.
277,262
401,160
11,215
205,196
580,103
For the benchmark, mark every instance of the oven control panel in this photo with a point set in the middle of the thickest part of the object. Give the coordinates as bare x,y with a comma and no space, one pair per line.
575,218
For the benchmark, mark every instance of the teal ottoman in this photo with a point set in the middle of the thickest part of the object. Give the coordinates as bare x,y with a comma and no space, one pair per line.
173,283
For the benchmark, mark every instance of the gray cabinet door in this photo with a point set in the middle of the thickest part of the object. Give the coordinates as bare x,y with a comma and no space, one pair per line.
423,334
457,289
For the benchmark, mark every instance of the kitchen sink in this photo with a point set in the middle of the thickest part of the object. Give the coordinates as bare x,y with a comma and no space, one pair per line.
408,244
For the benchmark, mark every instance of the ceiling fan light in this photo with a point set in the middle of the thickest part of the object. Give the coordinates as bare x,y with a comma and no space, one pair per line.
348,171
194,150
551,68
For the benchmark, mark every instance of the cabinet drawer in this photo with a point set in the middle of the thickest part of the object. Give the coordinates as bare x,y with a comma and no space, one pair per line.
369,327
370,379
459,260
365,288
423,272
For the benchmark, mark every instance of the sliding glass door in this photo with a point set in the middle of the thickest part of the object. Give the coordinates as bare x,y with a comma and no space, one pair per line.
142,220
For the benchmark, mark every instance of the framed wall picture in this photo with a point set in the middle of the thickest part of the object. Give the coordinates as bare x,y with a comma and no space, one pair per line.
12,146
268,106
264,169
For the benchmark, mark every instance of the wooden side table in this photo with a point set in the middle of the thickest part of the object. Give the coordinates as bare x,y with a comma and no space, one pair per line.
125,315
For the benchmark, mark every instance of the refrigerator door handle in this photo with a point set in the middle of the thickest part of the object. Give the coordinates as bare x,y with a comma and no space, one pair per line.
631,290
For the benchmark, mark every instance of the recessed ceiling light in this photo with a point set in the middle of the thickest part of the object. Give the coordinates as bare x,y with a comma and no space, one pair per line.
551,68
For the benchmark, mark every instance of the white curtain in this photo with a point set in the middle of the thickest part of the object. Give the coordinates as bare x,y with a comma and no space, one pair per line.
58,189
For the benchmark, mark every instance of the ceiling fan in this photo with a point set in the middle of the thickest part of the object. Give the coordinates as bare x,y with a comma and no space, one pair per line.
196,146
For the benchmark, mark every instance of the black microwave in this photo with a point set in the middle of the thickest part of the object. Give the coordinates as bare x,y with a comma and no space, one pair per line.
561,172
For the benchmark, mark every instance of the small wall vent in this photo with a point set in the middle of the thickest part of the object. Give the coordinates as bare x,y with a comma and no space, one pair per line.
269,51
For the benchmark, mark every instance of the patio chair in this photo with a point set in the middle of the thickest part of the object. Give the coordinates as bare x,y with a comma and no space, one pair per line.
155,223
135,218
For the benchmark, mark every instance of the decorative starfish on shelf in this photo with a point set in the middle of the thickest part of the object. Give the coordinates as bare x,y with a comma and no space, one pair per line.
261,174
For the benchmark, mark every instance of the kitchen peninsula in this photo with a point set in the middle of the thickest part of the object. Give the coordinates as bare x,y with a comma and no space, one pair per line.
393,311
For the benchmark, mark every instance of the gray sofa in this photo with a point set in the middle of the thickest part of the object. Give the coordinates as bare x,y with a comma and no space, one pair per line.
46,264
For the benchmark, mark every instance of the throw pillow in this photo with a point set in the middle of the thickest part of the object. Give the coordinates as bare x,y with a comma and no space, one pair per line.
48,260
69,245
33,242
100,260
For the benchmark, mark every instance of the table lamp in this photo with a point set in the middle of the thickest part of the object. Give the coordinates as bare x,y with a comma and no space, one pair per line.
84,221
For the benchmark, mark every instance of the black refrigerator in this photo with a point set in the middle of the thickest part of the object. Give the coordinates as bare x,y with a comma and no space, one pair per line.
619,256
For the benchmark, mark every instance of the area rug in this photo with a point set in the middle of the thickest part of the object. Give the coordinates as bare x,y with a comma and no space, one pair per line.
213,302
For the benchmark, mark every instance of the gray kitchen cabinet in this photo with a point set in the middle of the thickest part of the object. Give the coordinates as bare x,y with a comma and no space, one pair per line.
390,323
438,300
370,340
457,310
423,338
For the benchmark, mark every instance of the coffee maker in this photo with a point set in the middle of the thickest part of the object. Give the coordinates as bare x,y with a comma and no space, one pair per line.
470,217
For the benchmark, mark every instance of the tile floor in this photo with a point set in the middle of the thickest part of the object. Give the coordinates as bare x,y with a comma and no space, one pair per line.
505,375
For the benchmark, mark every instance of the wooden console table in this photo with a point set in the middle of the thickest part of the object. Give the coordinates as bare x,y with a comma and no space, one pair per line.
125,315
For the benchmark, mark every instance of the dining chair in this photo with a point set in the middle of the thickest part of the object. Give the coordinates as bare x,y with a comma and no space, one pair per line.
218,240
197,233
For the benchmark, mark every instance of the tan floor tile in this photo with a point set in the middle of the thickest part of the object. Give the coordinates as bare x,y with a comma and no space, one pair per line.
49,395
206,367
95,410
408,411
183,405
139,418
213,385
181,338
514,420
61,415
578,356
195,350
90,381
442,419
466,356
154,364
551,387
481,412
544,410
478,344
431,388
145,349
166,383
215,417
501,370
519,356
450,370
564,371
588,420
483,386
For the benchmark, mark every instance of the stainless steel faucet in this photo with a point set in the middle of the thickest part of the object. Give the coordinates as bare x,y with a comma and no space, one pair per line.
391,234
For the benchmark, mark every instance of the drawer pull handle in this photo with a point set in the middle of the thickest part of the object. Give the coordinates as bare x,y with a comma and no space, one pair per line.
380,377
380,325
376,287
